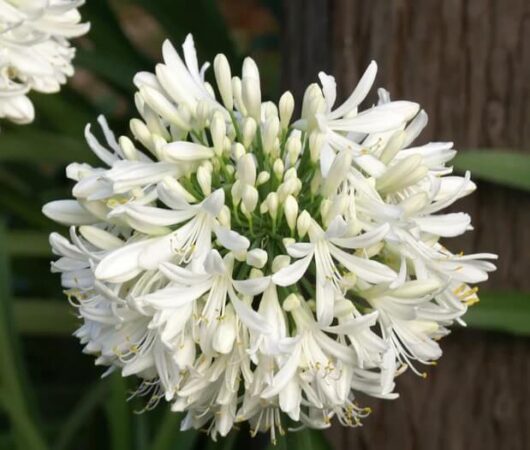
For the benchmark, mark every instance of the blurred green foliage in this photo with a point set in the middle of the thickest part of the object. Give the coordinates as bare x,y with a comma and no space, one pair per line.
49,398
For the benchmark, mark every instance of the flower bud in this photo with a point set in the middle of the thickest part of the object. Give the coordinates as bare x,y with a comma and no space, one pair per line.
204,178
303,223
249,131
250,198
100,238
246,169
128,148
315,182
269,110
160,104
237,192
270,134
290,173
286,105
257,258
280,262
218,132
251,94
292,301
225,333
255,273
223,76
202,113
224,217
294,147
141,132
287,241
290,210
278,168
272,203
238,95
237,151
263,177
316,142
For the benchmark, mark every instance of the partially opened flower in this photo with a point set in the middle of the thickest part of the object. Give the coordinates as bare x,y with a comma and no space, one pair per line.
248,267
35,51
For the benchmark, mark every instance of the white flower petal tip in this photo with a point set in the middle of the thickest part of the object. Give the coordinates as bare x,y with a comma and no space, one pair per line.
247,264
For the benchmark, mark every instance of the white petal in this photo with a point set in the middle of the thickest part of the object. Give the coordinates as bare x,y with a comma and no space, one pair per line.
121,265
248,316
363,240
446,225
68,212
359,93
371,271
292,273
252,286
284,375
187,151
231,240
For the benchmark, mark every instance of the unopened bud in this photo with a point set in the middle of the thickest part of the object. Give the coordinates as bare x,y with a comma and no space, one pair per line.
257,258
316,142
263,177
224,217
250,198
237,151
251,93
290,210
280,262
270,134
128,148
303,223
246,169
272,204
223,76
278,168
218,132
237,90
292,301
286,109
204,178
249,131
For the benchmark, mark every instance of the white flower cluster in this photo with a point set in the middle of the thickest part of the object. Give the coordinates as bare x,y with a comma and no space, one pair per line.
244,266
35,53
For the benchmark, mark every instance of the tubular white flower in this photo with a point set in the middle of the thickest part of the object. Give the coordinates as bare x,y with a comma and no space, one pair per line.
333,286
36,52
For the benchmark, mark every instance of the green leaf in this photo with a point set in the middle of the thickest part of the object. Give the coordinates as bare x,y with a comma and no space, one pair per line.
501,311
12,393
44,317
304,439
169,437
496,165
118,414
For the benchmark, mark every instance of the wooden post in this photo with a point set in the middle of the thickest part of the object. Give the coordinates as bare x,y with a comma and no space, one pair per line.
468,63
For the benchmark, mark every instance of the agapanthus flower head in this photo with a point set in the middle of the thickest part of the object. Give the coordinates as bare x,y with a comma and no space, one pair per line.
246,266
35,52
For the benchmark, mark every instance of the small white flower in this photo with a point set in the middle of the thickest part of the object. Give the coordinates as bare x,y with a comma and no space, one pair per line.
245,267
36,54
